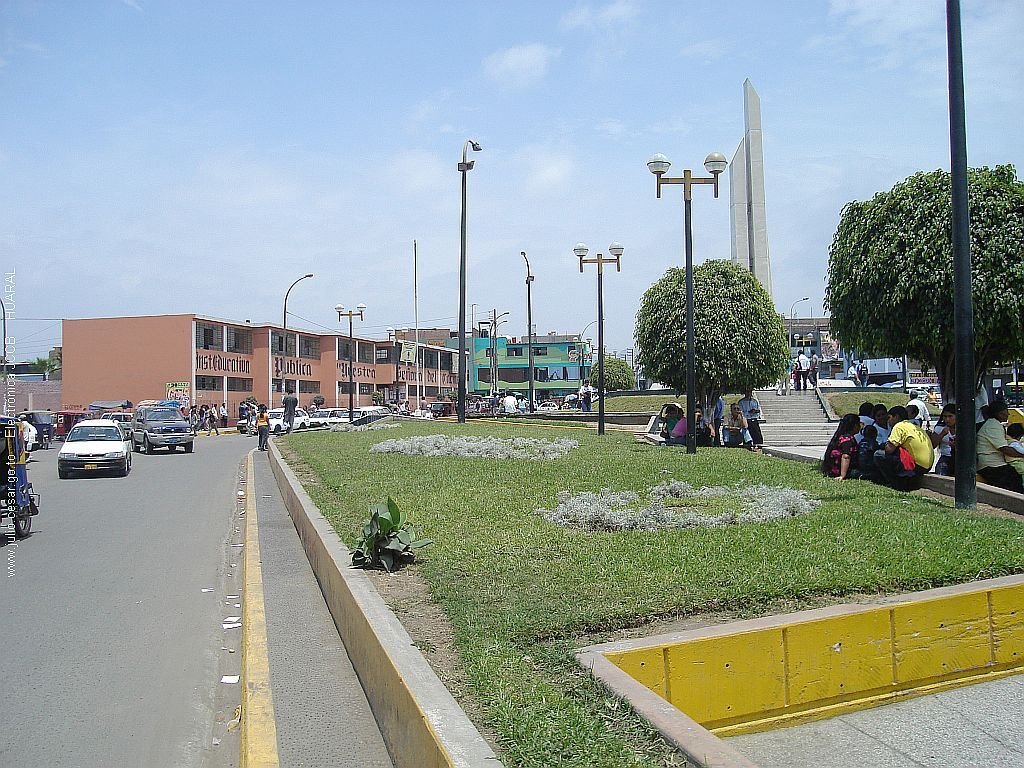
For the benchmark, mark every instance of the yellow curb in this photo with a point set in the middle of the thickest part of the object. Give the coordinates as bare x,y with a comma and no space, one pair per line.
259,729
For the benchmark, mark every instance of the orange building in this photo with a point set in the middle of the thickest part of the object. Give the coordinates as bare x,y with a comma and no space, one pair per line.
213,361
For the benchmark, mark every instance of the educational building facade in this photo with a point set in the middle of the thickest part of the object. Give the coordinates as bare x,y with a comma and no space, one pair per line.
208,360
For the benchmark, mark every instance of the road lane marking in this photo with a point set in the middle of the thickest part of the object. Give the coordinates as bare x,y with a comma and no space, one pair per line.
259,729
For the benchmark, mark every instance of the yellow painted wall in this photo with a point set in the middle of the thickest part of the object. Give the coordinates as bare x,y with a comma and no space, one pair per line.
757,679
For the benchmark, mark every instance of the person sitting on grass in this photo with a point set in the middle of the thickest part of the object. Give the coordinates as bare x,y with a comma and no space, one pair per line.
943,437
865,414
735,432
1016,432
881,416
866,453
702,430
907,453
840,459
674,431
994,450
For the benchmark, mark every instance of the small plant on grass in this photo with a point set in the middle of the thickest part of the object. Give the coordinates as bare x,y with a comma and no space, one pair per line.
388,541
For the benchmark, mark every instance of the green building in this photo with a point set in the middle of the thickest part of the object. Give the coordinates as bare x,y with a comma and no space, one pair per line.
561,363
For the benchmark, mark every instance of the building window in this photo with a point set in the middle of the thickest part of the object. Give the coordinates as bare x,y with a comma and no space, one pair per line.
446,361
488,351
344,349
539,351
364,352
309,387
430,358
384,354
240,340
209,383
209,336
343,388
365,389
236,384
281,344
513,375
309,347
430,392
483,375
514,351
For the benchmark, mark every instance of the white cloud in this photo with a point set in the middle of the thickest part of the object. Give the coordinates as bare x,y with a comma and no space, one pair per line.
591,18
521,65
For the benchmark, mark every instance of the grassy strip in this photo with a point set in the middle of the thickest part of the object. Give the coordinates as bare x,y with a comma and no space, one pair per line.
520,591
849,402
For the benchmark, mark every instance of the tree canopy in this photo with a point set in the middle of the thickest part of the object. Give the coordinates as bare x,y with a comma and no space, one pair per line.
890,272
740,340
617,374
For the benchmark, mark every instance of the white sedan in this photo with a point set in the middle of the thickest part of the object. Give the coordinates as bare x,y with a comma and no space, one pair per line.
277,425
325,417
95,445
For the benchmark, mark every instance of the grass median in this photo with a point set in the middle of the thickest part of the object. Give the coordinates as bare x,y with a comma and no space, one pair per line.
522,593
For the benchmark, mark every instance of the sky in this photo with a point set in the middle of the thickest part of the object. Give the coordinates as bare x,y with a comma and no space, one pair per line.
162,156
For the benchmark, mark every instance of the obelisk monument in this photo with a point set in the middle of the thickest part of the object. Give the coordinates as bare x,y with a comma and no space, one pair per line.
746,194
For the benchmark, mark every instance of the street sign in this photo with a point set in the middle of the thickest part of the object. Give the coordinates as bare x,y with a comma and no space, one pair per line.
408,352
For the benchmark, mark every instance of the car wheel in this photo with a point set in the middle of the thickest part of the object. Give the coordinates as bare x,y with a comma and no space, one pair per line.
147,446
172,448
189,447
277,429
22,525
123,471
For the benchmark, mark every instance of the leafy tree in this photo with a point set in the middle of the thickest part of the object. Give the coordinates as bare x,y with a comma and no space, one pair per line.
617,374
740,340
40,365
890,273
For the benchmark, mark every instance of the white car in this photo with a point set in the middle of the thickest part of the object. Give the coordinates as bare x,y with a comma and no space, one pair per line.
95,445
277,425
325,417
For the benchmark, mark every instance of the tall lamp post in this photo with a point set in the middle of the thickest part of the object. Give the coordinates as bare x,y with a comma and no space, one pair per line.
583,349
715,163
965,489
529,324
615,249
350,313
792,320
284,315
464,167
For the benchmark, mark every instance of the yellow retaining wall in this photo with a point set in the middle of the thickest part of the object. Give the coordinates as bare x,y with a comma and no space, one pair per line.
805,670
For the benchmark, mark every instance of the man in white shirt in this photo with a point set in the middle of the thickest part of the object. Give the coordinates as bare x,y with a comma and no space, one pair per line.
750,407
917,398
28,434
805,369
510,404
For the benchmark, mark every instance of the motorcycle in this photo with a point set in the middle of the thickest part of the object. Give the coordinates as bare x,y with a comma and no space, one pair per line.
19,502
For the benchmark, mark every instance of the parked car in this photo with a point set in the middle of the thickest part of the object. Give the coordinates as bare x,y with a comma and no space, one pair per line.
369,414
95,445
161,426
548,405
442,409
277,420
325,417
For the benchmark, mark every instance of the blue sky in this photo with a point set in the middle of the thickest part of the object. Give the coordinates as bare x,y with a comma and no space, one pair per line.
181,156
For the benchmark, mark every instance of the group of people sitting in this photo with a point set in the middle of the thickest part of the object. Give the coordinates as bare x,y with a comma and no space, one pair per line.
894,446
737,427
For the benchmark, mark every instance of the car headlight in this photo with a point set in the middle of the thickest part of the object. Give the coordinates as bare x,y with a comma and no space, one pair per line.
116,455
63,455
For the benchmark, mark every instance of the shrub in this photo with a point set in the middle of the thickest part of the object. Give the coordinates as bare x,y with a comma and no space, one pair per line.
388,541
470,447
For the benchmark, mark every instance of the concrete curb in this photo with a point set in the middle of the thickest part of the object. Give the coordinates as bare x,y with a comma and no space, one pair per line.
704,748
258,726
422,724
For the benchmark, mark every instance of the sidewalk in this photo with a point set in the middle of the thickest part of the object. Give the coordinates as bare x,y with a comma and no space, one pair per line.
322,716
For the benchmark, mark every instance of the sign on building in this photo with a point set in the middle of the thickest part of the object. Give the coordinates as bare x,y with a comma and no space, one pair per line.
408,352
180,391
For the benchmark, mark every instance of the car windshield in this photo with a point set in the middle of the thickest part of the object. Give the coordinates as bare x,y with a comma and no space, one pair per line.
163,414
81,434
42,418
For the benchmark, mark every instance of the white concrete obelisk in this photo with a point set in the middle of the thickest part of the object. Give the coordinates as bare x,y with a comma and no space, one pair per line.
746,194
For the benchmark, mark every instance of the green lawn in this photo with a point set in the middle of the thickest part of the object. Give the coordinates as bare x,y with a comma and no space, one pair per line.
521,593
849,402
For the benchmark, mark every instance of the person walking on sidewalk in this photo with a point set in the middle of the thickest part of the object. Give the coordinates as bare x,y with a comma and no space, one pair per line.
211,416
224,415
263,427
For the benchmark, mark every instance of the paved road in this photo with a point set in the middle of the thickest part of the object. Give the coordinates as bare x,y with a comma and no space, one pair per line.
110,653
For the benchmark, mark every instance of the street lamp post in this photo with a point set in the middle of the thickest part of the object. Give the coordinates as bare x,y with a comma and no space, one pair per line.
284,315
792,320
615,249
350,313
529,325
464,167
715,163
